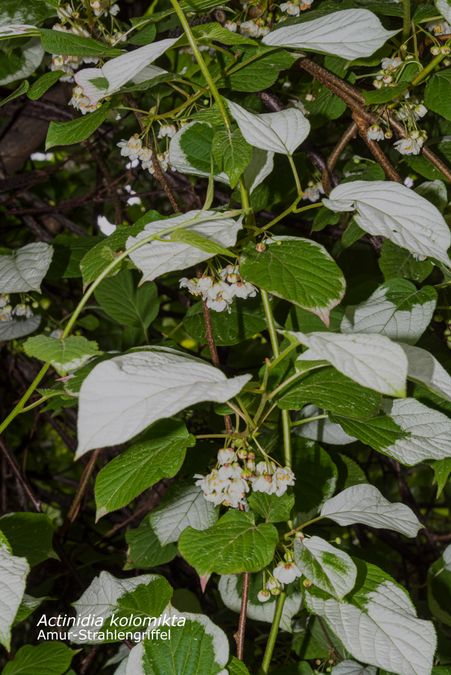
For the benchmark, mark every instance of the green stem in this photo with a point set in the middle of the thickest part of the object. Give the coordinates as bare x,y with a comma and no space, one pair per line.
306,420
19,407
285,416
273,634
212,85
406,19
297,180
427,69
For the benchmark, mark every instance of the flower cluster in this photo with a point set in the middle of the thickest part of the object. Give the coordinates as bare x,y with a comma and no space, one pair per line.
386,77
219,293
412,143
253,28
313,191
236,474
8,312
81,102
104,7
137,154
295,7
284,573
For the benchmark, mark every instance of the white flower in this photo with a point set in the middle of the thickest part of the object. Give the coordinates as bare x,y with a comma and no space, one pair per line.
145,157
391,64
273,586
408,182
114,9
226,456
409,145
6,313
23,311
131,148
167,131
133,199
105,226
263,595
375,133
243,289
42,156
219,296
253,29
420,111
290,8
283,478
68,64
286,572
57,334
439,28
4,300
313,191
232,26
197,286
81,102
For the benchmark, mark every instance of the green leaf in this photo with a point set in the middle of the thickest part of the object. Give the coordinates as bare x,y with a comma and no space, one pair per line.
159,455
325,566
198,240
196,144
144,549
63,354
145,601
21,89
31,12
436,94
236,667
43,84
233,545
209,32
272,508
197,647
123,301
316,475
260,73
297,270
77,130
60,42
333,391
244,320
439,591
200,6
231,153
385,94
47,658
442,471
30,535
398,262
182,506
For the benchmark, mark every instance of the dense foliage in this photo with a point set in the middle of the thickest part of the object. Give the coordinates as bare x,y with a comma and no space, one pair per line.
225,330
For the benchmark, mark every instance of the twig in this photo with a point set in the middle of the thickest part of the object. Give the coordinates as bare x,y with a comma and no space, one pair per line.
20,478
356,101
377,152
240,634
80,493
327,175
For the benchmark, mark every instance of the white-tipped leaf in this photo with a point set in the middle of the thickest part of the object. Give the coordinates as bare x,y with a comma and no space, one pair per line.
396,309
381,629
325,565
13,574
24,269
280,132
349,667
373,361
124,395
158,257
424,368
444,7
350,33
365,504
391,210
97,83
198,646
426,433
